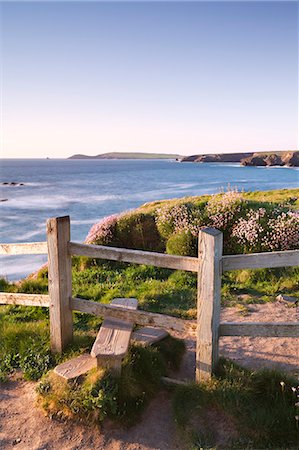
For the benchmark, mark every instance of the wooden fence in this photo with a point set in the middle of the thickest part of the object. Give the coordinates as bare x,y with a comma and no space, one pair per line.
209,266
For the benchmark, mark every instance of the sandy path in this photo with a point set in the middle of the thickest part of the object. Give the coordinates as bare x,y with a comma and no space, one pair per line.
252,352
24,427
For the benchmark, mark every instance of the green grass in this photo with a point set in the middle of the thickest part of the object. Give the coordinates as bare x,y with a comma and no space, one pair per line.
25,330
101,394
238,409
289,197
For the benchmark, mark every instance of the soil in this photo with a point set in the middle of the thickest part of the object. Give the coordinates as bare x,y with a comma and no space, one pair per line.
23,426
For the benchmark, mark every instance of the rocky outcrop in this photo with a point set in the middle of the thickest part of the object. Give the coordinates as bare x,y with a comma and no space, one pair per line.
254,160
286,158
217,157
290,159
11,183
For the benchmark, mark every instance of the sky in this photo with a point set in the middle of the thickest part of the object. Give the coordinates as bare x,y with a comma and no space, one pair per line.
173,77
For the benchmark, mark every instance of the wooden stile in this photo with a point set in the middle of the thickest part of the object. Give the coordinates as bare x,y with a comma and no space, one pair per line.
60,283
76,367
139,317
148,336
112,342
208,306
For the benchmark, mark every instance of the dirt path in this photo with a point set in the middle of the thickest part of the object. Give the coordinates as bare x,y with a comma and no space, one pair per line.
24,427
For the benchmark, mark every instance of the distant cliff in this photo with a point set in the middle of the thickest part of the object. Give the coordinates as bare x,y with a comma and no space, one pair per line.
287,158
284,158
120,155
217,157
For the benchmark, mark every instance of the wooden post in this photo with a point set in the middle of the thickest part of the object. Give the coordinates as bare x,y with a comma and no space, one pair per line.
60,283
208,305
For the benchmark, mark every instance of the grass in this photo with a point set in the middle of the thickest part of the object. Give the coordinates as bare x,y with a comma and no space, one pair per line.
24,331
238,409
100,394
289,197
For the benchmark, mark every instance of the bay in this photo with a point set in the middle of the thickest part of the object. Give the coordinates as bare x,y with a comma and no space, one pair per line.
89,190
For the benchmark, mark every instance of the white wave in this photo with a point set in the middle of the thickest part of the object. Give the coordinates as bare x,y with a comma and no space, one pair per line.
31,234
101,198
15,268
85,221
37,202
43,202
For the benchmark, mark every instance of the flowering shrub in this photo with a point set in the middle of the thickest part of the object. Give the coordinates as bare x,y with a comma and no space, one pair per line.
249,230
101,233
185,218
283,232
173,219
246,226
223,209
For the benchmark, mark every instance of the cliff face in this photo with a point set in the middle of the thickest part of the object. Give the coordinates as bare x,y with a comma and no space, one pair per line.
218,157
290,159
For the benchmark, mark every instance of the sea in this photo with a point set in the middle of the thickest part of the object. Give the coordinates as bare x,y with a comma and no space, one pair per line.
88,190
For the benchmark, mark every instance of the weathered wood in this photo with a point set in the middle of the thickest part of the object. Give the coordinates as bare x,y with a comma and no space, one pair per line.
112,342
128,303
148,336
208,306
7,298
174,382
60,283
113,339
286,258
260,329
76,367
139,317
135,256
30,248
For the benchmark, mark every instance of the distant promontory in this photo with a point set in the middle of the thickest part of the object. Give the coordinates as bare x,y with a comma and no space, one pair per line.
126,155
283,158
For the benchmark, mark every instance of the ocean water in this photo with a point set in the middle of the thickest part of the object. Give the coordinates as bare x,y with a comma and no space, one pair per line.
88,190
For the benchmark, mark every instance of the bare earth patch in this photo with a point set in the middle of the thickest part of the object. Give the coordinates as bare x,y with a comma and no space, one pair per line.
23,426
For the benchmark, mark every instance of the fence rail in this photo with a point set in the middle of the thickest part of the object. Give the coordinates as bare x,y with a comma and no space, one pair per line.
30,248
7,298
209,265
255,329
135,256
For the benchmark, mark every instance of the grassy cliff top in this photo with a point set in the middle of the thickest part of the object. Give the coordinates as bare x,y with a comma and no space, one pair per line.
127,155
274,196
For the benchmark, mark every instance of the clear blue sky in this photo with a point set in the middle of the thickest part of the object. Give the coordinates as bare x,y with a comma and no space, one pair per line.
159,77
